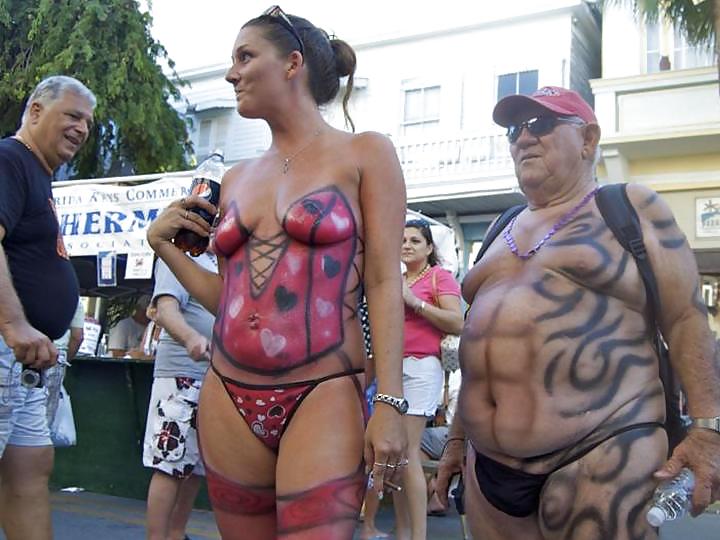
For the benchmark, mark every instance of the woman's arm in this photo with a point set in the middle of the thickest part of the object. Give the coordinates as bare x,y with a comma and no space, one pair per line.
446,317
382,199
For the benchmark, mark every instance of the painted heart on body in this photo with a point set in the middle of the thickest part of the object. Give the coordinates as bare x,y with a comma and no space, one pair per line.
272,344
330,266
324,308
235,306
284,299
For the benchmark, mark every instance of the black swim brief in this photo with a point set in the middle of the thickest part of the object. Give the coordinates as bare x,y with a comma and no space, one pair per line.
516,492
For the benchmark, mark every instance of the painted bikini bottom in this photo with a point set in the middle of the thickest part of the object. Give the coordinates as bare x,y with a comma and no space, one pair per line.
268,409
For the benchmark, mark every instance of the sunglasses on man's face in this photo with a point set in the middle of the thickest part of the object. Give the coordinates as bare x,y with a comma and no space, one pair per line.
540,125
278,15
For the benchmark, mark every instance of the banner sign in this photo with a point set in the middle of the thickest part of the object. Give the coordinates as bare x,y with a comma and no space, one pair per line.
707,217
97,217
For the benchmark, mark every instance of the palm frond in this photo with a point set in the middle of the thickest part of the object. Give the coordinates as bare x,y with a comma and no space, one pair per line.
695,21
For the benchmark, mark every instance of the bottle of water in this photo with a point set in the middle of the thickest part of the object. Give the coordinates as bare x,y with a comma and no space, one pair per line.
671,499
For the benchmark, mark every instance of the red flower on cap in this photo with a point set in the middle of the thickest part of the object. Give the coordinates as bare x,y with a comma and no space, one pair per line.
554,99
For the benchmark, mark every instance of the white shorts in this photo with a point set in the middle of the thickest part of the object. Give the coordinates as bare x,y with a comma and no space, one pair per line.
171,443
422,384
23,411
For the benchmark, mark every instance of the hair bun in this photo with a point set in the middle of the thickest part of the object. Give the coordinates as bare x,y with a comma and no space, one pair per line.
345,60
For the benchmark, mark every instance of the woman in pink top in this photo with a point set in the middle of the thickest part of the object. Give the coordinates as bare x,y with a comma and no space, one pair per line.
432,309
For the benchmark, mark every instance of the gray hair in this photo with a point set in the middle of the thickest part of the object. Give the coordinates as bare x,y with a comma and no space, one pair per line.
53,88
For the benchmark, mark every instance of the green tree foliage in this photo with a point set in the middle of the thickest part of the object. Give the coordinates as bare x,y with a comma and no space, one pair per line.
108,46
694,18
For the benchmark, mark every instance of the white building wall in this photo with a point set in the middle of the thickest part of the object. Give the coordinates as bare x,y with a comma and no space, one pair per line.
623,44
465,64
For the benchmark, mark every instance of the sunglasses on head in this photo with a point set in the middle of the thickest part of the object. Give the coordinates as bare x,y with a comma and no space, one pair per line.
540,125
279,16
417,224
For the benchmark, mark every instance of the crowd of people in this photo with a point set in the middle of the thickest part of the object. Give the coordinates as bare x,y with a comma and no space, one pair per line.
560,424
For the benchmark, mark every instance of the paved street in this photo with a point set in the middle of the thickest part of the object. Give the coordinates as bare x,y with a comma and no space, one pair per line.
91,516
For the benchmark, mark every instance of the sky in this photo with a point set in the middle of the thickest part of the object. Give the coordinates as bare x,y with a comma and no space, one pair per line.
199,33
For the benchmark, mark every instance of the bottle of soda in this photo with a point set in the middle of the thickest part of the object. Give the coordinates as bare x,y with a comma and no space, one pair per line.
671,499
206,184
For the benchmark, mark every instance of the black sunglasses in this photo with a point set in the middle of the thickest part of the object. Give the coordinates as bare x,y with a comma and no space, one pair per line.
277,14
417,224
540,125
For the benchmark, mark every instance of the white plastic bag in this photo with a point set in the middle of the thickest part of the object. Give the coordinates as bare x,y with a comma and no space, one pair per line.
62,429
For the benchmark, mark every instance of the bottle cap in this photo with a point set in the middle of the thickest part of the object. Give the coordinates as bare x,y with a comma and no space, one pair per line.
656,516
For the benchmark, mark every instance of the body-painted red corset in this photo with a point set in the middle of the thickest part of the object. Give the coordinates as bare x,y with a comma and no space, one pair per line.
282,303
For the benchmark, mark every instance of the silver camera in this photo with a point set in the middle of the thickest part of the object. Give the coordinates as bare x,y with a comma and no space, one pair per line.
31,378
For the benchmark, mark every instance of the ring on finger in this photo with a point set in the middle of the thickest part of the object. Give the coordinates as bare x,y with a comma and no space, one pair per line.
403,463
187,213
376,464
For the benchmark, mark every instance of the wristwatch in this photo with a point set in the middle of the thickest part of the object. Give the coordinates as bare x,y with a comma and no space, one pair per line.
713,424
398,403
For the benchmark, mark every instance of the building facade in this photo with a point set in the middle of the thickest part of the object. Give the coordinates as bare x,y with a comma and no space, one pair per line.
432,93
658,104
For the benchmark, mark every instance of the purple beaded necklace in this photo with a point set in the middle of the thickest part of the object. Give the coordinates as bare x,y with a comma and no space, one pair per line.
564,220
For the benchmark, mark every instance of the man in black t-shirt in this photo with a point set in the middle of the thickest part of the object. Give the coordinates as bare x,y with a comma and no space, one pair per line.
38,293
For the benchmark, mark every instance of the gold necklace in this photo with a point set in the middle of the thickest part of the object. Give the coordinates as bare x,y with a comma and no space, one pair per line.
417,278
33,152
287,160
23,141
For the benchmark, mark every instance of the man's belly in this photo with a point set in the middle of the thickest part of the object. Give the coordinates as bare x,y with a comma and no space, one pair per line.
545,365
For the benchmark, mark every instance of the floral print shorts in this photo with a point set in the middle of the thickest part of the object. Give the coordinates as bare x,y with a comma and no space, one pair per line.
171,442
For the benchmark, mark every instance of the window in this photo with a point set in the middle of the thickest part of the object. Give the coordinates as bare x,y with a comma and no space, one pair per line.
667,41
212,135
523,82
421,111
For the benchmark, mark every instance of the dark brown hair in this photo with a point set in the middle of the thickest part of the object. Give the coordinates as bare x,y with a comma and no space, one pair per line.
424,228
327,58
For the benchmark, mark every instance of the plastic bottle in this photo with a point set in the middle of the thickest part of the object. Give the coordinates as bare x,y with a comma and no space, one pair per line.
671,499
206,184
103,347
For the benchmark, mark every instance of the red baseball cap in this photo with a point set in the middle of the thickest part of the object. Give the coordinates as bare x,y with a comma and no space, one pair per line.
518,107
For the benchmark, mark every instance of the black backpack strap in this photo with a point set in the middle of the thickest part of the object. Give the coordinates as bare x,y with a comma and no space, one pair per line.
622,219
497,227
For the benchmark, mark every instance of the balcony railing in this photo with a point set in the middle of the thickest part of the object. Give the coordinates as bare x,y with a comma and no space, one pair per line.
460,157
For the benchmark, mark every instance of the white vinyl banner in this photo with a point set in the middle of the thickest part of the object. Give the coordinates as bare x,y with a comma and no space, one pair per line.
97,217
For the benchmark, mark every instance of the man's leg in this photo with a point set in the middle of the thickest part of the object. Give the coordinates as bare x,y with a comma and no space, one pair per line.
24,496
161,500
184,503
487,522
171,450
605,493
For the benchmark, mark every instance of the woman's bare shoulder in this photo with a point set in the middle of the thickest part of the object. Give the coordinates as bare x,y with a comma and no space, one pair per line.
371,140
235,173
